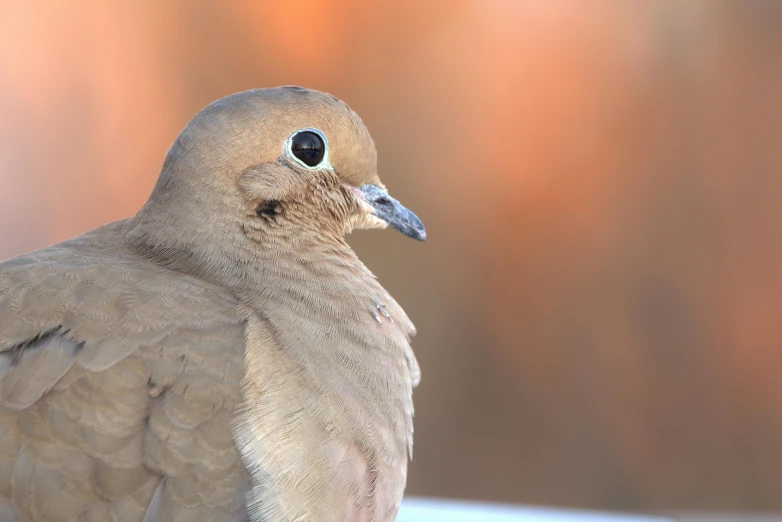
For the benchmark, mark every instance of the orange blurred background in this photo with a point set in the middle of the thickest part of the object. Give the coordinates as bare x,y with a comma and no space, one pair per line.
599,302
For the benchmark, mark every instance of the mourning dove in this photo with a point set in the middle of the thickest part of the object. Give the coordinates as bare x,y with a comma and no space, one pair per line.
223,354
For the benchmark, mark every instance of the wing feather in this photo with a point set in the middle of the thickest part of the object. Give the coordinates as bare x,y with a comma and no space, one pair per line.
119,380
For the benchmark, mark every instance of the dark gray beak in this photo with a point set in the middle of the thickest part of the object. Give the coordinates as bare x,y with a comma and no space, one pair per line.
392,212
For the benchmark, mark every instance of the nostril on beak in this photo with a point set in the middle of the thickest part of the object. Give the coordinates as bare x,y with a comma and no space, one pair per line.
383,200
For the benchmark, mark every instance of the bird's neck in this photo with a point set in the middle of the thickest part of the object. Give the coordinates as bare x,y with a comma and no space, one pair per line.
315,268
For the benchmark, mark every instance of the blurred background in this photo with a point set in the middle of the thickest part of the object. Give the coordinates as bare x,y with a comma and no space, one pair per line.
599,303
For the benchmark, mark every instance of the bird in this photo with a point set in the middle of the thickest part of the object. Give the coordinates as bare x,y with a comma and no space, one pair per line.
223,354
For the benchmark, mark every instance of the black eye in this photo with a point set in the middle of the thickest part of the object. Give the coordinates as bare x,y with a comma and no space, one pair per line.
308,147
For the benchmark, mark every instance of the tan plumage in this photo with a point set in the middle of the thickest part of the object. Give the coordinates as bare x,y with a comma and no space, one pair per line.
222,355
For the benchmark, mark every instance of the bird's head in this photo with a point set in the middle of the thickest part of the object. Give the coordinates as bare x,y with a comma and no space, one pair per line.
282,165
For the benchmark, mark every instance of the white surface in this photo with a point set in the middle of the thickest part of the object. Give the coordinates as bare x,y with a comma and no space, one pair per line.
437,510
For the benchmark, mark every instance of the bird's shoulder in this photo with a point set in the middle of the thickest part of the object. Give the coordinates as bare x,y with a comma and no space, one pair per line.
98,290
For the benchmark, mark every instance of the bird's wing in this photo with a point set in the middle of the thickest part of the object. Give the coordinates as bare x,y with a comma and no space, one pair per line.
119,380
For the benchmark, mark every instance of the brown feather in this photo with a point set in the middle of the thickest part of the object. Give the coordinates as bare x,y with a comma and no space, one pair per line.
207,361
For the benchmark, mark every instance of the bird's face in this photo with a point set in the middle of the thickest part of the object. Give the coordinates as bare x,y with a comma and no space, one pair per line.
316,173
285,166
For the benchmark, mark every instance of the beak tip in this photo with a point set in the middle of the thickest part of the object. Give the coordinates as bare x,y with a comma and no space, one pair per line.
415,231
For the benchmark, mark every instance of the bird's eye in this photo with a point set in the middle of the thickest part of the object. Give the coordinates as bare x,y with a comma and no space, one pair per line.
308,147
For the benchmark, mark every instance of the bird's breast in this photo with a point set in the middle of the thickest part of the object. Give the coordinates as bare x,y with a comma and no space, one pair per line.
327,415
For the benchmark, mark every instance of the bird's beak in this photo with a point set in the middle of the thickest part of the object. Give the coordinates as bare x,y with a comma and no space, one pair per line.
392,212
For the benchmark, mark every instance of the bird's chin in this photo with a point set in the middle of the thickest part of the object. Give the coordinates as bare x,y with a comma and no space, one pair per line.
369,222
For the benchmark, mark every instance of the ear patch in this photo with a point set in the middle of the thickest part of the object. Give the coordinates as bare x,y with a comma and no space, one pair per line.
269,208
